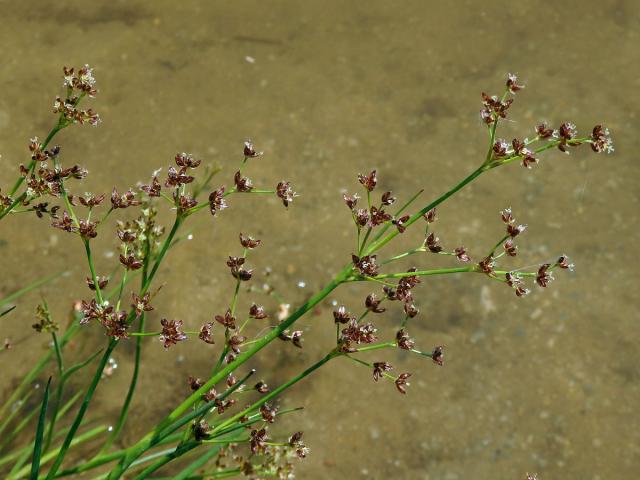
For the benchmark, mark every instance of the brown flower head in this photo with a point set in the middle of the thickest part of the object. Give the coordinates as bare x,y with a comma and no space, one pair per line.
358,333
500,148
494,108
102,282
342,316
510,248
261,387
206,333
379,216
250,151
130,262
141,304
153,189
65,223
125,200
362,217
116,325
296,338
438,355
268,412
512,83
249,242
400,223
228,320
567,132
194,383
379,369
431,242
514,280
403,340
184,202
563,262
387,199
235,266
171,332
543,131
369,181
366,265
544,275
351,200
410,309
401,382
431,216
200,430
87,229
217,201
257,312
210,395
235,341
285,193
372,302
175,178
295,441
186,160
41,209
93,311
90,200
243,184
462,255
83,81
487,265
258,440
601,140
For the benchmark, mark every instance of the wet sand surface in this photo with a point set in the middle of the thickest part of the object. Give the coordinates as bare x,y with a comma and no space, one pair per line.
549,383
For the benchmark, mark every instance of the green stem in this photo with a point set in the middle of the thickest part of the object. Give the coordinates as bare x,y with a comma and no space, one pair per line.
59,126
378,244
177,452
276,392
87,248
35,371
163,251
59,391
109,457
124,412
50,455
83,408
143,444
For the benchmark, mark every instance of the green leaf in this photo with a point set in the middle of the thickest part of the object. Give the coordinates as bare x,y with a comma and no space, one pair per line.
37,449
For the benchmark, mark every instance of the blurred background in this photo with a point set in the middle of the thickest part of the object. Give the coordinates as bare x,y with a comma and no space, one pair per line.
549,383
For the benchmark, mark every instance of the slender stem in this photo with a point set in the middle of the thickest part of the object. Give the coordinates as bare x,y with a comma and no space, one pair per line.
275,392
377,346
47,457
378,244
59,126
109,457
397,214
94,277
364,241
163,251
177,452
124,411
35,371
143,444
59,391
83,408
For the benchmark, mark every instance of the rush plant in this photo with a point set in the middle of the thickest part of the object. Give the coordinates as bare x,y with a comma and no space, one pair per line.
209,434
